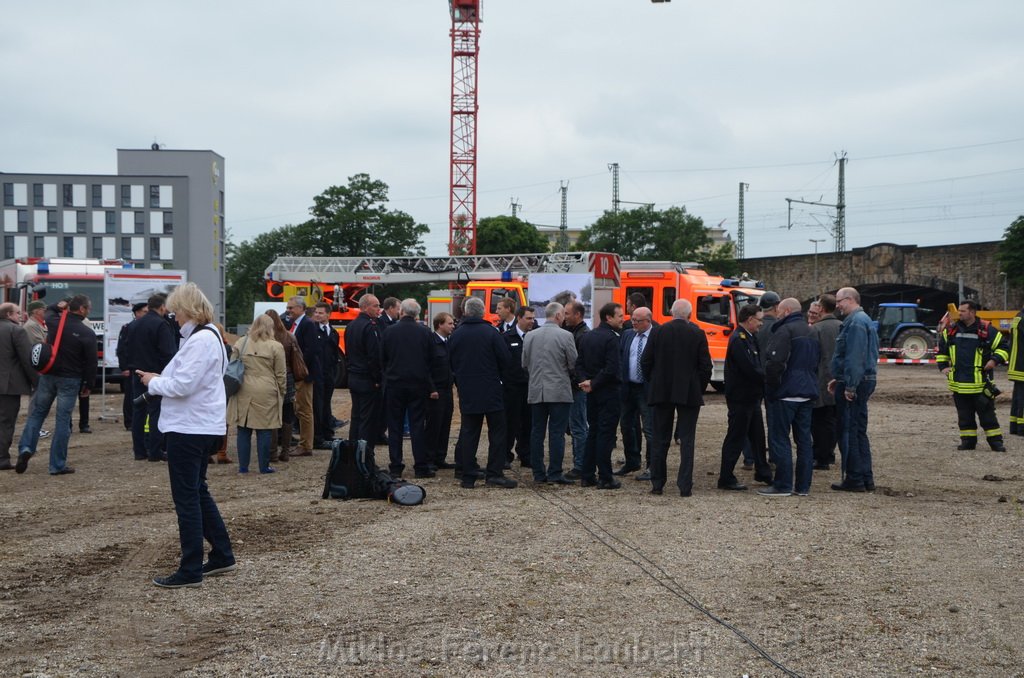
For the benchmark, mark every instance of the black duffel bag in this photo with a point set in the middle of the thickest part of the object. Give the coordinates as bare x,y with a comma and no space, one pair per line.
353,474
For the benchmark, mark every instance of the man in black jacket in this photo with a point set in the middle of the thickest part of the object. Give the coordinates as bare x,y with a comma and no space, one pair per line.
574,322
518,422
362,351
72,374
744,390
677,364
125,364
480,359
323,389
406,350
152,345
599,376
440,409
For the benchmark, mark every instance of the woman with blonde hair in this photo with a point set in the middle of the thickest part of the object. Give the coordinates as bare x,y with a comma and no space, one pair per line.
257,405
192,419
292,360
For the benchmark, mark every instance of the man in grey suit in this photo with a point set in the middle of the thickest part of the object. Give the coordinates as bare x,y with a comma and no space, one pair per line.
17,376
549,356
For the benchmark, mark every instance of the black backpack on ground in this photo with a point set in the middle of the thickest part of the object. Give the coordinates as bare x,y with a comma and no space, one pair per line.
353,474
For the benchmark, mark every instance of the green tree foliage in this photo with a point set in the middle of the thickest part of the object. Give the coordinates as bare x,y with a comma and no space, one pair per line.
1011,252
644,234
351,220
720,260
508,235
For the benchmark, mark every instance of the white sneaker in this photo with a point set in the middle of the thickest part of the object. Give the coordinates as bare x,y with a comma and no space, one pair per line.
43,433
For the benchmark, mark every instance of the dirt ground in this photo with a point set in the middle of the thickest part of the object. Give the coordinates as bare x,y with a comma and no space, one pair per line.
922,577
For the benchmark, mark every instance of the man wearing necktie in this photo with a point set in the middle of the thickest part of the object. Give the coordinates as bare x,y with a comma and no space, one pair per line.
298,324
506,310
636,414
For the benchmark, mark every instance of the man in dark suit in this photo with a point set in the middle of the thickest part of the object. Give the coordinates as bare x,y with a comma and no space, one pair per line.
406,350
124,363
518,423
362,350
480,358
330,354
678,366
440,409
744,390
599,376
299,324
636,413
506,310
311,338
152,345
17,376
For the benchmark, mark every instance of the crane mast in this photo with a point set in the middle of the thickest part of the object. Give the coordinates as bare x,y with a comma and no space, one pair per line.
465,34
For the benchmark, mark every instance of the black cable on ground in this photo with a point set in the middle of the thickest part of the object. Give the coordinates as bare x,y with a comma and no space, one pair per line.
675,588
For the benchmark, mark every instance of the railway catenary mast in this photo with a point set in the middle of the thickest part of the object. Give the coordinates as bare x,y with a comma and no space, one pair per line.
465,34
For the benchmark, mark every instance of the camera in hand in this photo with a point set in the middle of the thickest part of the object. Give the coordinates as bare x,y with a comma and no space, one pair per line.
141,399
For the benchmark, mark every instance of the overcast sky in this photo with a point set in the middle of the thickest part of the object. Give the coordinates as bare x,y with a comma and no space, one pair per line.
690,98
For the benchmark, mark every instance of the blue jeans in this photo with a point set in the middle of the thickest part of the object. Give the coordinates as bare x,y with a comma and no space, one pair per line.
578,427
245,447
559,415
198,516
853,438
783,416
65,391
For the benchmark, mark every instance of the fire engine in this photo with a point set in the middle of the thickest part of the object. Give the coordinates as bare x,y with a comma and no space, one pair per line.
29,278
340,281
715,300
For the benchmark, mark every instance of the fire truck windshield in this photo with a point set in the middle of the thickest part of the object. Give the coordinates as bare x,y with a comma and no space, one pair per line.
62,288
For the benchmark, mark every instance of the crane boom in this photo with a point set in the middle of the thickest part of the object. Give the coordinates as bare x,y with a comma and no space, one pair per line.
465,34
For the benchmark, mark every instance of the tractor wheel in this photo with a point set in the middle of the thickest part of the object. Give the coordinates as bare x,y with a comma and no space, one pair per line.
915,343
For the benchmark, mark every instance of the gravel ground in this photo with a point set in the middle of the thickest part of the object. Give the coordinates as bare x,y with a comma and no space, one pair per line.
923,576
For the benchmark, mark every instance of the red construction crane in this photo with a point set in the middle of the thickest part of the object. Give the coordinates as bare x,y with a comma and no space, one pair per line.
465,34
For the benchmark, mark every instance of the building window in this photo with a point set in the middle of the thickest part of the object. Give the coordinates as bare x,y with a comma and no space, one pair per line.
126,195
221,206
22,221
168,223
69,195
80,221
97,247
37,195
8,247
8,195
126,248
140,223
111,222
154,196
97,195
69,247
38,246
51,221
154,249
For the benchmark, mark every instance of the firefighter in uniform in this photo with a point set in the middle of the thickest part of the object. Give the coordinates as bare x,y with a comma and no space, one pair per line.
1016,374
968,351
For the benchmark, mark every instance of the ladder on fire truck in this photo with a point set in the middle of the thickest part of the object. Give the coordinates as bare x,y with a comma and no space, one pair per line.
394,270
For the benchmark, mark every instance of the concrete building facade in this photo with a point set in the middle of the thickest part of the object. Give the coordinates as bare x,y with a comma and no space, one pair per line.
163,209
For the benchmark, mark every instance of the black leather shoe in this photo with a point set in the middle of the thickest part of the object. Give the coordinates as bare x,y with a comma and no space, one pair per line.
162,457
468,483
609,485
869,487
6,466
646,475
685,493
507,466
573,475
657,491
507,483
84,429
737,487
588,482
843,487
22,462
425,474
767,480
822,467
964,446
626,470
444,465
560,480
998,447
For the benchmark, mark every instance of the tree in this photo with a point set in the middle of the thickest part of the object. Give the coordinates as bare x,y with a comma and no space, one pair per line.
1011,252
353,221
645,234
508,235
720,260
350,220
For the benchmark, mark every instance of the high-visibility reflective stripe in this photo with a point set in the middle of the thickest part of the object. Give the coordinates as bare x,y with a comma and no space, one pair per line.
969,434
993,432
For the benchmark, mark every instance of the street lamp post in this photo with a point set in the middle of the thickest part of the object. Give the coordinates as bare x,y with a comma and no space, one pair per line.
815,241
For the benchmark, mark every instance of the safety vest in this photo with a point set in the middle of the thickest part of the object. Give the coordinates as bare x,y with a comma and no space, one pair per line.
1016,362
965,350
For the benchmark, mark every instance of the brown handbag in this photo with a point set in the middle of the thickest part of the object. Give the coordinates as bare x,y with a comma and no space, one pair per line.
298,365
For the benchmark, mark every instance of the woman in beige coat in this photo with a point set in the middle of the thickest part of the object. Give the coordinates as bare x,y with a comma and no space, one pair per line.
257,405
